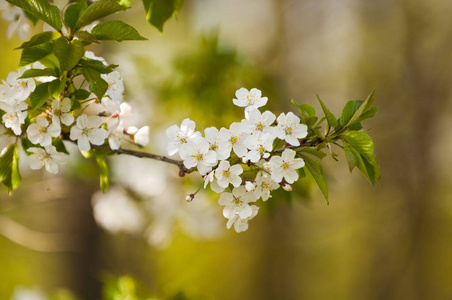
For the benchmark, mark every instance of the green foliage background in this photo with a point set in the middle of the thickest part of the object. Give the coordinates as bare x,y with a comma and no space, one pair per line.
389,243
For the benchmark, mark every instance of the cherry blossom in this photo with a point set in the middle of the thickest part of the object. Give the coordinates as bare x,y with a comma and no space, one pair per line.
285,166
48,157
180,136
196,153
249,99
235,137
42,132
115,85
236,203
292,130
60,112
240,224
87,131
227,174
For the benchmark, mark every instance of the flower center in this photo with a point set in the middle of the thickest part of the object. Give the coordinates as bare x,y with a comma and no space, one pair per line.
198,157
259,127
226,173
234,140
285,166
288,130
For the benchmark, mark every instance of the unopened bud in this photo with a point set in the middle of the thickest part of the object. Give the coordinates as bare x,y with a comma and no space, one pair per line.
244,160
190,197
181,173
286,187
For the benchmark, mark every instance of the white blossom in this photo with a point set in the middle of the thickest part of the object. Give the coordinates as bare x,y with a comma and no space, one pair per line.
25,293
258,145
259,123
141,137
236,203
220,147
87,131
115,85
264,185
42,132
249,99
60,112
285,166
240,224
48,157
292,130
15,115
227,174
210,178
196,153
20,89
180,136
115,136
235,137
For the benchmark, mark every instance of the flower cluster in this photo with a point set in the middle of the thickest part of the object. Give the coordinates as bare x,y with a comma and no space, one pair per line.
221,156
93,122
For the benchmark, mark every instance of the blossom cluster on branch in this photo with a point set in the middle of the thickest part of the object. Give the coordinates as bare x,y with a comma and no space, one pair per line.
223,157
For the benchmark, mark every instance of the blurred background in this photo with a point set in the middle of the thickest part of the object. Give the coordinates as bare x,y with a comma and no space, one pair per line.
59,236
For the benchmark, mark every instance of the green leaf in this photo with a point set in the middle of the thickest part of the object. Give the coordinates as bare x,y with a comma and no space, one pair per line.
360,141
307,112
98,10
330,118
81,94
40,95
26,144
354,110
116,30
159,11
31,17
35,53
86,36
68,53
349,110
73,13
315,168
56,87
9,167
97,65
38,73
40,38
359,150
96,84
41,9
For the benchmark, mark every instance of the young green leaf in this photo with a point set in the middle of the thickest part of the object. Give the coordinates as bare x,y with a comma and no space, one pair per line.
32,54
98,10
159,11
97,85
68,53
73,13
86,36
40,38
360,141
59,145
116,30
38,73
307,112
315,168
330,118
41,9
354,111
40,95
9,167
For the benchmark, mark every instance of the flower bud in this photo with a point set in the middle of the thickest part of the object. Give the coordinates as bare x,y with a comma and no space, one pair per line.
181,173
286,187
190,197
